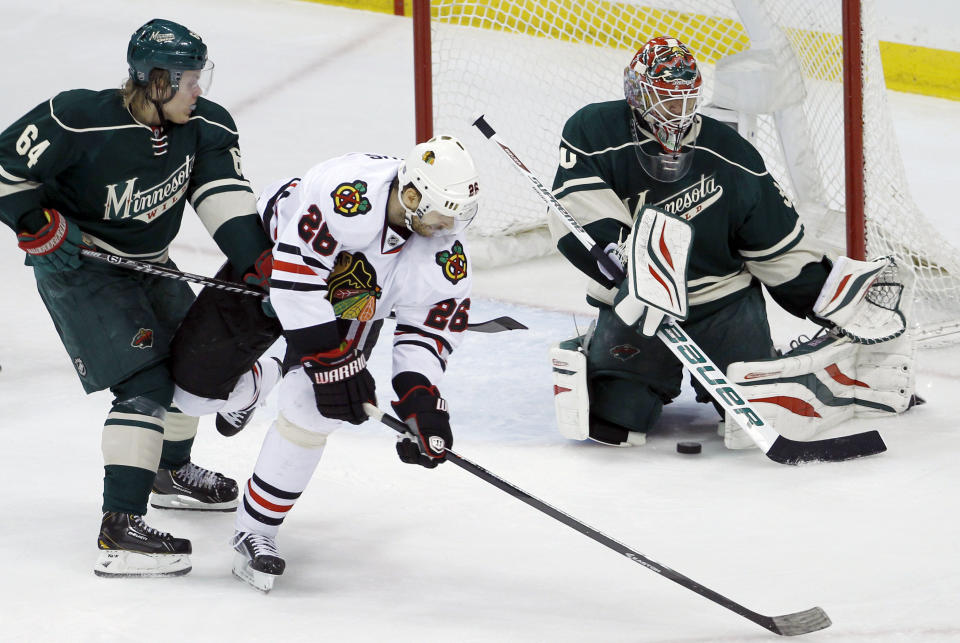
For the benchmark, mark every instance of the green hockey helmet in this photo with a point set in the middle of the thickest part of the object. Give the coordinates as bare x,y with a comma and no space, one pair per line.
164,44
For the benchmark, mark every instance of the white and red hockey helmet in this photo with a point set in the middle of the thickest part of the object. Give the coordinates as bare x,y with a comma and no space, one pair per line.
663,85
444,174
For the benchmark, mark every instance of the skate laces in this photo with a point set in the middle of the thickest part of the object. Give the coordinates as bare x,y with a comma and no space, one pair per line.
260,545
236,417
197,476
143,526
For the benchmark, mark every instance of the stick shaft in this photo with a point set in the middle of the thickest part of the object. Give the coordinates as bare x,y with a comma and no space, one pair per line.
588,531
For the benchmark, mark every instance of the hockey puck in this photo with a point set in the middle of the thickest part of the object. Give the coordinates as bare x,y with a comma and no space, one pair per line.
688,447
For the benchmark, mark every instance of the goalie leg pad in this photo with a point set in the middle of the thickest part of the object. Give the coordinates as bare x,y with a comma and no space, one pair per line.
571,396
825,382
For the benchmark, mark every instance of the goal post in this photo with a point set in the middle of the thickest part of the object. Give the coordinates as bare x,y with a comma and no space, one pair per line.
801,79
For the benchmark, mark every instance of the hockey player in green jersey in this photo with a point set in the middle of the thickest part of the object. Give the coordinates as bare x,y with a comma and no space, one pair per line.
113,170
654,148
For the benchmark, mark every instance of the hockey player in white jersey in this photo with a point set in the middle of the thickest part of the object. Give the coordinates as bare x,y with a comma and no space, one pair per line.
357,238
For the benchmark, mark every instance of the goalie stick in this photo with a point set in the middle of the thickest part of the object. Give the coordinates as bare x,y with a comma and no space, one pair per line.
775,446
792,624
497,325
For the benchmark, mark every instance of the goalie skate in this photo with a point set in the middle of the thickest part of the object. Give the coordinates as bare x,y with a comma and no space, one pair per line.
194,488
131,548
256,561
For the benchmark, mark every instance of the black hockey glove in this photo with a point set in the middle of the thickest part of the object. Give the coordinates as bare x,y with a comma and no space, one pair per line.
425,412
341,383
259,277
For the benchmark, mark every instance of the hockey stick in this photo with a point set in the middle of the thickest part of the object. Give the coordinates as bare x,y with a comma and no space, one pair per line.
497,325
803,622
775,446
163,271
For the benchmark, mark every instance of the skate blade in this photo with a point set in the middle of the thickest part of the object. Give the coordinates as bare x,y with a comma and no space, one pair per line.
174,501
253,578
116,563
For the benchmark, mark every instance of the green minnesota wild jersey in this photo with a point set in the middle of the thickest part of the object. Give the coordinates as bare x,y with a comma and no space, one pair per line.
745,227
125,184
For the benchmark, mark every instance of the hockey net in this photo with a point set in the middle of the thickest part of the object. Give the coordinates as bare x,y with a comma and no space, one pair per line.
773,68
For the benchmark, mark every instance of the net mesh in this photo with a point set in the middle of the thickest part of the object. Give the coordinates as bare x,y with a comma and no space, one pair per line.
530,64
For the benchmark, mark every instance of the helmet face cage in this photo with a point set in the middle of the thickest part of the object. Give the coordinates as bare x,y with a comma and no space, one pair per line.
663,85
442,171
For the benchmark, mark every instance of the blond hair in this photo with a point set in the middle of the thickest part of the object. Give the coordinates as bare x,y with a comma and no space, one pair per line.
139,99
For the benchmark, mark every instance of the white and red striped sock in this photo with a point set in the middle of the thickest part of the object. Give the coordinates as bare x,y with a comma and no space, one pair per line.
281,474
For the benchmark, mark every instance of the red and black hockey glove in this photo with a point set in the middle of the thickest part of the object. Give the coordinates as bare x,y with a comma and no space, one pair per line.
341,383
259,277
425,412
51,240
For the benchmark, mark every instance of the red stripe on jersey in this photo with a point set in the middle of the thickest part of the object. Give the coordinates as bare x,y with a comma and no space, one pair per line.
266,504
295,268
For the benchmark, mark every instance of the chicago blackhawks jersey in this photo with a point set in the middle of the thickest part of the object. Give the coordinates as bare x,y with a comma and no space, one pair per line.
125,184
745,227
335,257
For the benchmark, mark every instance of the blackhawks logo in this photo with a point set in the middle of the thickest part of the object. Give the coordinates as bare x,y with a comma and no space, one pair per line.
143,338
348,199
453,262
352,287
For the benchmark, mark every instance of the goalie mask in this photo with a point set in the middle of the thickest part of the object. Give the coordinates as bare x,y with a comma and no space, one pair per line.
442,172
663,85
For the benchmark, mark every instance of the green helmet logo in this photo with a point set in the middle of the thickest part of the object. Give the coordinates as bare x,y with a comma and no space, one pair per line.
164,44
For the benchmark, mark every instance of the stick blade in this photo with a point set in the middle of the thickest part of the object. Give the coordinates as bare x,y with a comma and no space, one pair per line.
497,325
848,447
797,623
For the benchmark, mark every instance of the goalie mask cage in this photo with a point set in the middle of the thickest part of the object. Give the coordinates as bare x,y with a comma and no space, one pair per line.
777,70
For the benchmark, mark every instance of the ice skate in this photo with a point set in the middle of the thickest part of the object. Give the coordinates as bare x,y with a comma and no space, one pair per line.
194,488
130,548
257,561
232,422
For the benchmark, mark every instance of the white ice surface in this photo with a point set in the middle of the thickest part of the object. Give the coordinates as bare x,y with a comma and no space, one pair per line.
381,551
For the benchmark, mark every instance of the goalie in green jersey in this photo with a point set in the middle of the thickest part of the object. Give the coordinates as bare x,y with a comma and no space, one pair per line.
688,205
113,170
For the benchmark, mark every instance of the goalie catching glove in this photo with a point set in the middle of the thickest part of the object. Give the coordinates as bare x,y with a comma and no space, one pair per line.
425,412
865,300
341,383
658,251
